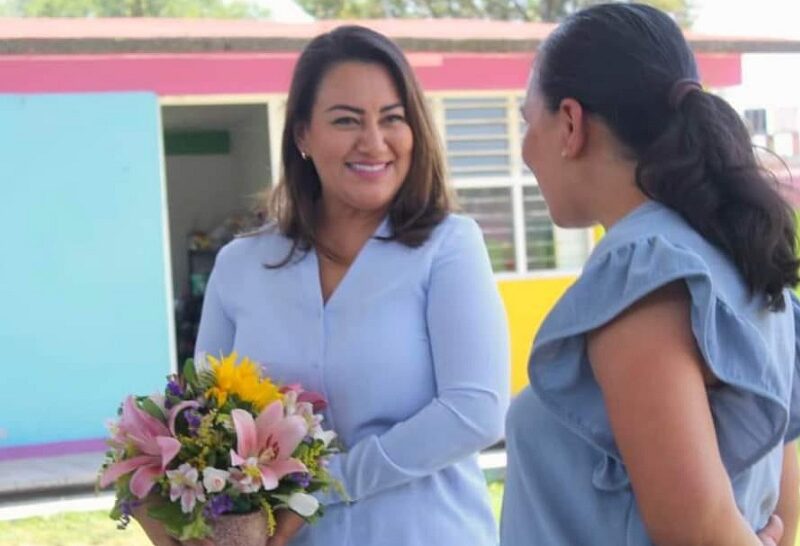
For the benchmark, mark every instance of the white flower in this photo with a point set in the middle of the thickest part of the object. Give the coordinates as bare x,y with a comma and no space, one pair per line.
214,479
304,410
325,435
303,503
244,481
290,402
184,486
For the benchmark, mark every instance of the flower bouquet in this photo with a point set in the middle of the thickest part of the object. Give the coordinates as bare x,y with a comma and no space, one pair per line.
222,441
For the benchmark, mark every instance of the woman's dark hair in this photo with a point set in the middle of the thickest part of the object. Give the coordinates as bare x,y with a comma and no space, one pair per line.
630,65
423,199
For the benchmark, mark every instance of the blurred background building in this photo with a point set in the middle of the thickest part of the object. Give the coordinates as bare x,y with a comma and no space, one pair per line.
133,148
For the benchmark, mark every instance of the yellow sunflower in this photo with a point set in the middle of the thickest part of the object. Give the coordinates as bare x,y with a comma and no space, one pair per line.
243,380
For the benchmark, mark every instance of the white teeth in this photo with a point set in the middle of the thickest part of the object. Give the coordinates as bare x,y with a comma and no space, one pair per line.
368,168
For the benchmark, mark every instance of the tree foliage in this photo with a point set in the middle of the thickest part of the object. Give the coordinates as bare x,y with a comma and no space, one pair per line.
524,10
225,9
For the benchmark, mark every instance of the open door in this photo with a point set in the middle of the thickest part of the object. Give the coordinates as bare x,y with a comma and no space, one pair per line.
84,274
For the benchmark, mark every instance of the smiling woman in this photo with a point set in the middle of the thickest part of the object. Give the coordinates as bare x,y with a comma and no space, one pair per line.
358,140
354,102
366,288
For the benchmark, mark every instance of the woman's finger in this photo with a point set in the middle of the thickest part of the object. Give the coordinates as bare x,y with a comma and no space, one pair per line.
773,532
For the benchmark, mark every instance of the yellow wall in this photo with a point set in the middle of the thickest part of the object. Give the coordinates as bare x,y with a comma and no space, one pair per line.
527,302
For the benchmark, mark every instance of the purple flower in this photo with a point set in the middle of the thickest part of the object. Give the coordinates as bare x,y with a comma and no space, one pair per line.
126,509
174,388
303,479
217,506
127,506
193,419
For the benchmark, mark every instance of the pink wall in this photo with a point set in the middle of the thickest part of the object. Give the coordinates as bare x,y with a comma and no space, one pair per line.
236,73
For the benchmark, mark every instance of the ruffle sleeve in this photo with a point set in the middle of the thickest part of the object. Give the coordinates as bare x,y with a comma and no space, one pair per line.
751,408
793,430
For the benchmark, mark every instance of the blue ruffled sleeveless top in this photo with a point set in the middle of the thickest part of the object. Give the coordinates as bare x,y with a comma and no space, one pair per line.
566,481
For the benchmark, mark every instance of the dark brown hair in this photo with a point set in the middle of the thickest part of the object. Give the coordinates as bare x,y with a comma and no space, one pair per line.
622,62
423,199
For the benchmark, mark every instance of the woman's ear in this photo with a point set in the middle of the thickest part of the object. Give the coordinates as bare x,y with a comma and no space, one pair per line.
573,128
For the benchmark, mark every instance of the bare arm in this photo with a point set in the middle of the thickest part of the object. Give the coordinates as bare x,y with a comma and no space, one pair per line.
788,503
652,377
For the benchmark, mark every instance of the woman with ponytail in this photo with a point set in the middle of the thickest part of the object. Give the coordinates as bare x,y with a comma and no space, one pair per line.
664,398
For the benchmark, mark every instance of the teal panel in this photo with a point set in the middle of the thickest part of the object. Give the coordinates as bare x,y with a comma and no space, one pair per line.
83,286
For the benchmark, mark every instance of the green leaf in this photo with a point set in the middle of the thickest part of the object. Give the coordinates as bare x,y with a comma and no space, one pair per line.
207,379
189,372
197,528
170,515
152,409
116,511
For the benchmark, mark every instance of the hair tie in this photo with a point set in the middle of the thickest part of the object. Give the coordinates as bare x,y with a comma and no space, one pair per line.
680,89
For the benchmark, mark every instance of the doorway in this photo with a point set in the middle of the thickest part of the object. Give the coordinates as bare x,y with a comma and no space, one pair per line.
217,162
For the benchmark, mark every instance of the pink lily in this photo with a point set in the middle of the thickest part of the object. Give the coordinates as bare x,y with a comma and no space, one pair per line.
264,446
173,413
154,445
314,398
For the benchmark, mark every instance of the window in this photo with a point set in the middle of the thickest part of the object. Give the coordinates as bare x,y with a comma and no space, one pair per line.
476,137
756,121
492,209
483,136
539,237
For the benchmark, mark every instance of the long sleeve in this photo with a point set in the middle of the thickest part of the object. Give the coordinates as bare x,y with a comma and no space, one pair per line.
216,332
470,352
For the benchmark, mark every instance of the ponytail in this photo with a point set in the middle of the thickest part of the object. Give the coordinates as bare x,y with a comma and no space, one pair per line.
703,166
629,65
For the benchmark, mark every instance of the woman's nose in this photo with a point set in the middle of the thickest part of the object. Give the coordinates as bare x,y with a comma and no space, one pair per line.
371,138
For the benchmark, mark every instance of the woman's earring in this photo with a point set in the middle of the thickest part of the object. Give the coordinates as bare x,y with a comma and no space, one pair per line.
304,155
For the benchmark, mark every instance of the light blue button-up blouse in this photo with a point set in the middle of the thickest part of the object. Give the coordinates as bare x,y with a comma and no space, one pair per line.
566,482
411,351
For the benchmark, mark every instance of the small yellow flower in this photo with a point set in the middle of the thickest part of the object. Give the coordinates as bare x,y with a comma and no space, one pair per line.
243,380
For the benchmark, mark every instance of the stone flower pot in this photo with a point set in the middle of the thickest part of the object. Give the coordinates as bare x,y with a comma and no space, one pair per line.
229,529
240,529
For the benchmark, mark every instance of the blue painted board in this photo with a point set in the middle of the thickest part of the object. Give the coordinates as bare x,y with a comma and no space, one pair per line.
84,315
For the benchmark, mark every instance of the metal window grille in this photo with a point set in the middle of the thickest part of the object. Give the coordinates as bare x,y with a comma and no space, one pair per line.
483,136
492,209
539,237
476,137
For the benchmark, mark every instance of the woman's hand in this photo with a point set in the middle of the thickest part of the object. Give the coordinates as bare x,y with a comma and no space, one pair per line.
156,532
772,533
288,524
153,528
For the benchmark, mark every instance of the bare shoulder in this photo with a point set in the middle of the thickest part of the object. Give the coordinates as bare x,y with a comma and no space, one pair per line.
655,329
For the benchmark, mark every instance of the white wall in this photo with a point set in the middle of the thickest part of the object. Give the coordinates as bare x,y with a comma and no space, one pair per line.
250,154
772,18
769,80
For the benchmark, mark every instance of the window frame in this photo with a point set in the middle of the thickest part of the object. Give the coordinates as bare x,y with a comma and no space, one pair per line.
518,178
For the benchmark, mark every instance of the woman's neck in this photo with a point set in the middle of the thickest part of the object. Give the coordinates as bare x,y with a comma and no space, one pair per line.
615,193
344,234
